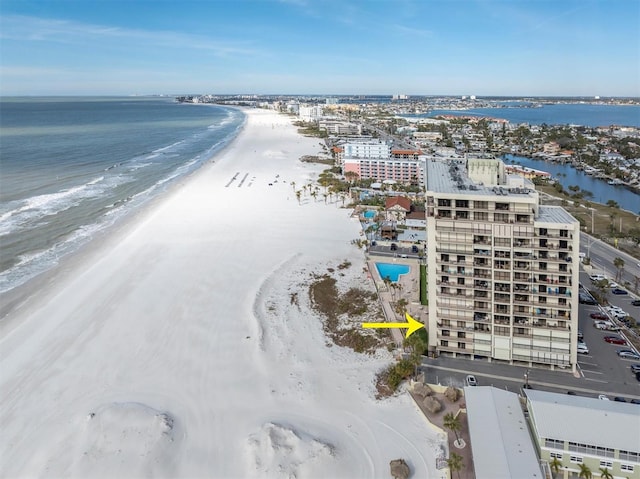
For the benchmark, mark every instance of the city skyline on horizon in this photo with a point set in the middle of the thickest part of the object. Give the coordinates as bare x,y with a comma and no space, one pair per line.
486,48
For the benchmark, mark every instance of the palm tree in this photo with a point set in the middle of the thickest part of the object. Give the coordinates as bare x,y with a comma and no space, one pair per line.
618,262
452,423
298,193
555,465
605,473
585,472
455,463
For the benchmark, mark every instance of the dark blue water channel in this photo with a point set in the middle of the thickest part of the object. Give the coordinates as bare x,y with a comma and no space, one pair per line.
567,175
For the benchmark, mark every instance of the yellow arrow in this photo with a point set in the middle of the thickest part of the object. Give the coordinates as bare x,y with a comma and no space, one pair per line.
412,325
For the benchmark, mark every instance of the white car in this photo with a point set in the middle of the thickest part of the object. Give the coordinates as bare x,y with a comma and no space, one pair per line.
471,380
597,277
582,348
619,314
603,397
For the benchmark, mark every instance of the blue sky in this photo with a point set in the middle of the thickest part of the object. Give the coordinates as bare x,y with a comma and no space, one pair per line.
415,47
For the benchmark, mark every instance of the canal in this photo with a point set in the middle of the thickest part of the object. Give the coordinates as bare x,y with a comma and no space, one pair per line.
567,175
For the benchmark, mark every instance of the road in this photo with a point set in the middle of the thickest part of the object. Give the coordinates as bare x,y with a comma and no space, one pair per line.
602,256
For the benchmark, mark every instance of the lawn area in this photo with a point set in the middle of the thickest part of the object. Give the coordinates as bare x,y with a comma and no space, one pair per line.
604,222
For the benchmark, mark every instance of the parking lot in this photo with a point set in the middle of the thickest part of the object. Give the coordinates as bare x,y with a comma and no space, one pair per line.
602,364
386,249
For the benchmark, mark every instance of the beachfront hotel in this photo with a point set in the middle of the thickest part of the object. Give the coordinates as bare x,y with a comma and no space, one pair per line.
502,269
374,159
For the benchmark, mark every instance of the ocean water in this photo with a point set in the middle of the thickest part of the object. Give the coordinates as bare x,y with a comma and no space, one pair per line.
71,167
555,114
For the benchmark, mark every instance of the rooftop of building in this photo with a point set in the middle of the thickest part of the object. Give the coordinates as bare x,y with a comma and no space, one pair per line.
452,177
610,424
500,439
554,214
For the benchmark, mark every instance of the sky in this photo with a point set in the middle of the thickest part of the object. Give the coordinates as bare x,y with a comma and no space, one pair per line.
325,47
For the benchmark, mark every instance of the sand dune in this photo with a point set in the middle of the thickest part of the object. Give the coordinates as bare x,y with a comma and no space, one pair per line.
173,348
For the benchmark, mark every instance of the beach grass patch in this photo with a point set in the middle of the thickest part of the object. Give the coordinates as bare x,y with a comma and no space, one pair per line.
343,314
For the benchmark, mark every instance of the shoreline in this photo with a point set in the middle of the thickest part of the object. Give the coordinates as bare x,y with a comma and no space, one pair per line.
19,295
172,345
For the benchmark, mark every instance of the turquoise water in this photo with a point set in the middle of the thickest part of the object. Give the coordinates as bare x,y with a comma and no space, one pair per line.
393,271
369,213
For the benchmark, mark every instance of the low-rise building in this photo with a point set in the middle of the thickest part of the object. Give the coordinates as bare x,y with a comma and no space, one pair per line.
573,433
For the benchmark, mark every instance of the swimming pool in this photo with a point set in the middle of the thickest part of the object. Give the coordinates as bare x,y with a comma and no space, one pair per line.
393,271
369,214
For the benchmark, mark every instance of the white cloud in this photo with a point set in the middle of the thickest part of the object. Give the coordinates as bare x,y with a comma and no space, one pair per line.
26,28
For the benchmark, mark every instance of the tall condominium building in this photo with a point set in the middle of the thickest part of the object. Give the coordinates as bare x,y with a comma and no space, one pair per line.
502,269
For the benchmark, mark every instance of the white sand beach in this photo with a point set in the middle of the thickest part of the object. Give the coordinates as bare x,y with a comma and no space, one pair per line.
172,348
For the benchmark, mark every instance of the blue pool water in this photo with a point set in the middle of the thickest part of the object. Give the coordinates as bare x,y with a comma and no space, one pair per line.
369,213
393,271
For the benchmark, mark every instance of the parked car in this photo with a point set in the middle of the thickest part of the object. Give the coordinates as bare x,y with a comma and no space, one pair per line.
628,354
471,380
635,302
603,397
414,249
586,299
635,368
638,376
596,277
619,399
619,315
615,340
634,400
394,247
582,348
619,291
599,315
580,335
608,325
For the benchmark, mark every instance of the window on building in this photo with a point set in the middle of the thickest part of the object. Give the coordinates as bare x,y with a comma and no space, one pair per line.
555,455
576,459
554,443
629,456
626,467
608,464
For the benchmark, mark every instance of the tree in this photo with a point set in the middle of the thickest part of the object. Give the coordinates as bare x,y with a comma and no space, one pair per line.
455,463
602,289
351,176
585,472
298,193
618,262
452,422
555,465
605,473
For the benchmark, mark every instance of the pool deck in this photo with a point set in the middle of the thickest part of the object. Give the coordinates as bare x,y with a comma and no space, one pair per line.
409,290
